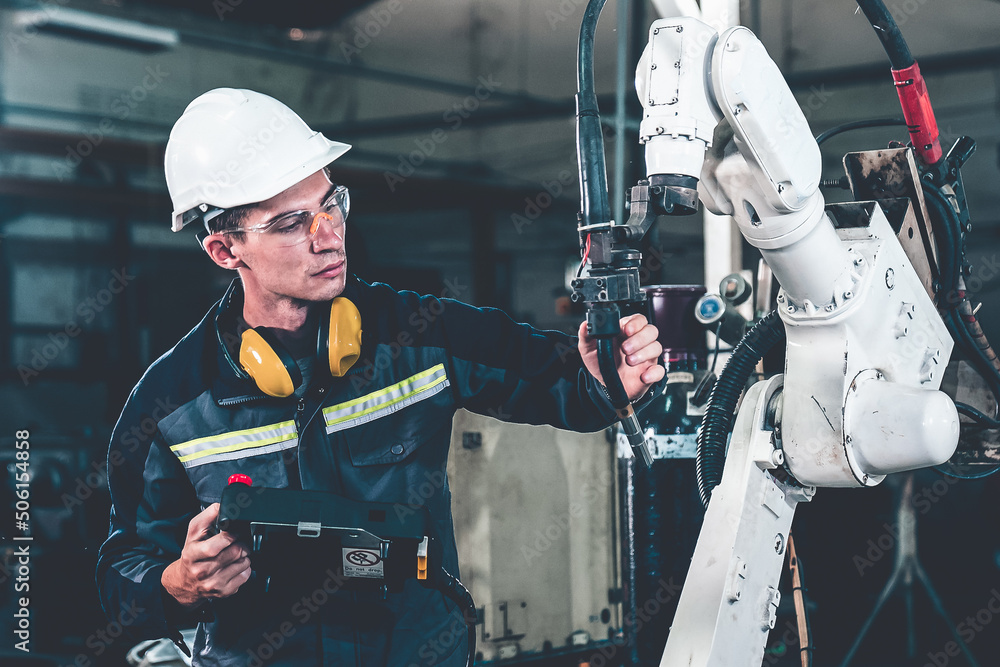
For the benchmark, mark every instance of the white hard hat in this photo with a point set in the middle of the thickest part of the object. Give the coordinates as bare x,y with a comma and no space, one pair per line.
233,147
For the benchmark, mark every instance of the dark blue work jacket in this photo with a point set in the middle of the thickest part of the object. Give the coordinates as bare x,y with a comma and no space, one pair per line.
380,433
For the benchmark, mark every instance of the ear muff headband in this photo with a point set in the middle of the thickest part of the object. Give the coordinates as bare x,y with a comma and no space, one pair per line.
265,359
339,340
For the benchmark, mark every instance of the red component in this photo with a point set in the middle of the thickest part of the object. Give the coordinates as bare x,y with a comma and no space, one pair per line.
918,113
241,478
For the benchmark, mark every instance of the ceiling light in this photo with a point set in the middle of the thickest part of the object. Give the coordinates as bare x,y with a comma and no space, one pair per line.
99,28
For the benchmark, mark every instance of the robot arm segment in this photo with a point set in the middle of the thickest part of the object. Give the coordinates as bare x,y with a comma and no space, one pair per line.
770,129
840,280
679,114
688,80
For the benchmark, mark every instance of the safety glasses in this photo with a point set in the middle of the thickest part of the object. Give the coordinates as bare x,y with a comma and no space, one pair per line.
296,227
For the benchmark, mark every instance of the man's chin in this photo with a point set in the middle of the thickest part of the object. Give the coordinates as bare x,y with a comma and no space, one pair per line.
332,288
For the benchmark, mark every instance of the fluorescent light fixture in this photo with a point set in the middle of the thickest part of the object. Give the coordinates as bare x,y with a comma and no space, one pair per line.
102,29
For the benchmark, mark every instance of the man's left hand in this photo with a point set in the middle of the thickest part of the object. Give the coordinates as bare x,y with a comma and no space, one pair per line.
636,357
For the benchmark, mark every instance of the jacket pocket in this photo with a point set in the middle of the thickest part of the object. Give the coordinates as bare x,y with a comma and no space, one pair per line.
389,424
264,470
392,439
256,452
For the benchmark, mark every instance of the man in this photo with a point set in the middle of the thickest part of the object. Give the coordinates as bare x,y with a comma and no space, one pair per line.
252,172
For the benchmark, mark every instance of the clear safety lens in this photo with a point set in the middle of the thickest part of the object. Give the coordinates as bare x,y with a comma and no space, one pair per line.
301,226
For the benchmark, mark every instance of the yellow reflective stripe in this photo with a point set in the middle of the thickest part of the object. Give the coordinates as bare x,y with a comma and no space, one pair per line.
382,392
246,444
385,401
230,435
242,454
383,406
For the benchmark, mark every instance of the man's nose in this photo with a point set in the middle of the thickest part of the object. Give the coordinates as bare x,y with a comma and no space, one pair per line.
326,232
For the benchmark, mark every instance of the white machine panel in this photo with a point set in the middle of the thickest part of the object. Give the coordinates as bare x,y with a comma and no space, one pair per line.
535,520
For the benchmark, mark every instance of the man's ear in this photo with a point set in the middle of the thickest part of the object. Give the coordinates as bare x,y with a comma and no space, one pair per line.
220,248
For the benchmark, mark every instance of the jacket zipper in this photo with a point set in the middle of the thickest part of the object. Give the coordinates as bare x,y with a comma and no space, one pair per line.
239,400
300,409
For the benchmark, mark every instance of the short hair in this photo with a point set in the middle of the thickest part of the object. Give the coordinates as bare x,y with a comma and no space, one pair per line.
230,220
233,218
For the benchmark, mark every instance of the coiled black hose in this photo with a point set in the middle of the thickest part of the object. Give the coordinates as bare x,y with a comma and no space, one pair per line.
718,420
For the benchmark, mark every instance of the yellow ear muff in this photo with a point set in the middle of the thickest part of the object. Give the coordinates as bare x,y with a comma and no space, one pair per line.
268,363
343,336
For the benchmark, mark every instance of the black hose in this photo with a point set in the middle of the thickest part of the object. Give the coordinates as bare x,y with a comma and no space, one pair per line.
948,471
980,418
888,33
956,311
454,590
977,356
609,373
585,52
716,424
950,231
959,318
857,125
589,133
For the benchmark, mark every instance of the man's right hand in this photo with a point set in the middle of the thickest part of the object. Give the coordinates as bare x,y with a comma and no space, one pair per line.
210,566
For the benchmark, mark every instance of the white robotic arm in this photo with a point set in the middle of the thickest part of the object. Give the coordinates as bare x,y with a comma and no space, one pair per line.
689,78
863,335
866,347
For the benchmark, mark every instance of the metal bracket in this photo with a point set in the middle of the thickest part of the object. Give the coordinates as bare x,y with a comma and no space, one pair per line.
309,529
